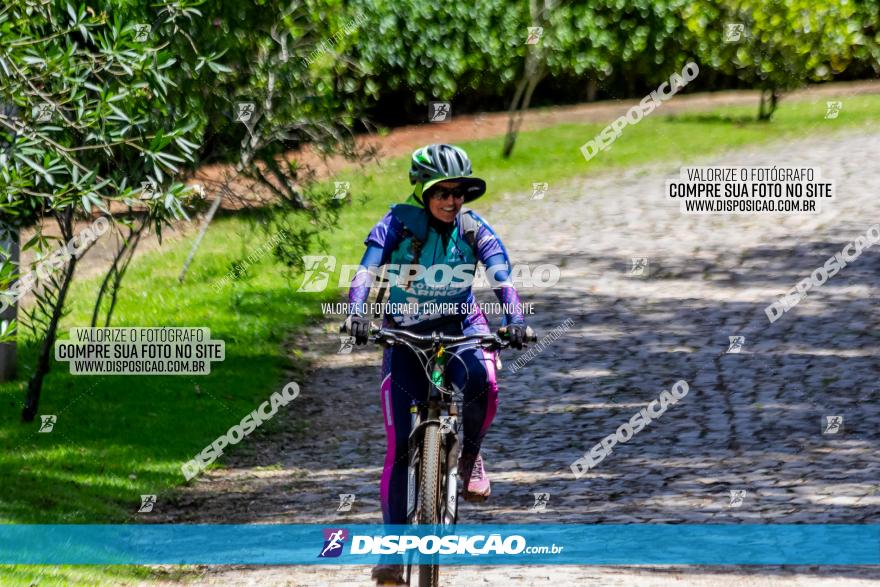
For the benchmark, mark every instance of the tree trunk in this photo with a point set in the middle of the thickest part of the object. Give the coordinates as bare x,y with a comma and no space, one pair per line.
516,116
592,89
113,277
9,350
119,273
35,385
769,102
533,72
512,126
192,253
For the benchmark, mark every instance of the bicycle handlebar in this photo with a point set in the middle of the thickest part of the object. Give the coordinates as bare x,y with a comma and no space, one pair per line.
381,335
485,340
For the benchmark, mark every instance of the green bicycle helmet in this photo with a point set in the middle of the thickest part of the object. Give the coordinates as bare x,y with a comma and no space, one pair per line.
435,163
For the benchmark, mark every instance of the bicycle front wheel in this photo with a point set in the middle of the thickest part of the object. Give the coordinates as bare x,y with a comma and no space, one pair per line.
429,497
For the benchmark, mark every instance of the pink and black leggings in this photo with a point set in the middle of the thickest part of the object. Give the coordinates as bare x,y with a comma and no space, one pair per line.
403,383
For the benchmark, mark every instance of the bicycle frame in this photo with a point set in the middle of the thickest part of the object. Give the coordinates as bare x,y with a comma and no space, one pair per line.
440,401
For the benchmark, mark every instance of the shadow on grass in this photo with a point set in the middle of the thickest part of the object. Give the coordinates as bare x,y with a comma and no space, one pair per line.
715,118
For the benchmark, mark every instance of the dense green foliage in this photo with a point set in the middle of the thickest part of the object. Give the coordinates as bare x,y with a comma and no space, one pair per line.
110,108
473,53
782,44
90,111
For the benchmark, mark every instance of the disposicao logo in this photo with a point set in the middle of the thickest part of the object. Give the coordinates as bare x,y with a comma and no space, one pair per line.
334,540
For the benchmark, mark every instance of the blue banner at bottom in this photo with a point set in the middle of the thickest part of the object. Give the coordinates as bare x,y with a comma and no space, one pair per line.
498,544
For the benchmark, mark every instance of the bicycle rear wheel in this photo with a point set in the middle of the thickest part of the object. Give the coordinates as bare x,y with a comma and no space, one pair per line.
429,497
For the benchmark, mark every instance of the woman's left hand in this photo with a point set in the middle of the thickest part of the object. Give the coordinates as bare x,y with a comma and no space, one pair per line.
518,334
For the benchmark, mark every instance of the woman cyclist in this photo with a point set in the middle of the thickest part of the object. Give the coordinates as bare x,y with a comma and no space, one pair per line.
429,230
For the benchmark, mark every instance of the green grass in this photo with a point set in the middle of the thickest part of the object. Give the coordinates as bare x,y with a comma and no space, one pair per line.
65,575
119,437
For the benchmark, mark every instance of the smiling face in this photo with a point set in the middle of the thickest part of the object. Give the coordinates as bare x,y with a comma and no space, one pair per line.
447,208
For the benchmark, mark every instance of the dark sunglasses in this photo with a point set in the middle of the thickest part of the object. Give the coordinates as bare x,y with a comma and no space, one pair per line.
457,193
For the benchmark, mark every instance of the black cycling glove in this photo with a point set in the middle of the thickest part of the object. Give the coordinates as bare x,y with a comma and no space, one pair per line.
358,327
518,334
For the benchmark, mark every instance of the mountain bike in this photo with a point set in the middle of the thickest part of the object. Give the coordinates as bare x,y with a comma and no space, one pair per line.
434,445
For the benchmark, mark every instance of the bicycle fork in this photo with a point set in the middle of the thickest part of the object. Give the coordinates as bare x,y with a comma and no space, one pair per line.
413,466
450,439
449,445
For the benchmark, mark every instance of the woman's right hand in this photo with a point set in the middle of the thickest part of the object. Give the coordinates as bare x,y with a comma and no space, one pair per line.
358,327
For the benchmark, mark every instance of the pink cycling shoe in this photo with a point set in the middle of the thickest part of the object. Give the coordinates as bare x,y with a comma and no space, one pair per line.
478,486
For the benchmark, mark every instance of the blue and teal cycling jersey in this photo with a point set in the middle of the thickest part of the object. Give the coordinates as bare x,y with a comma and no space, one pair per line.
442,274
436,285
